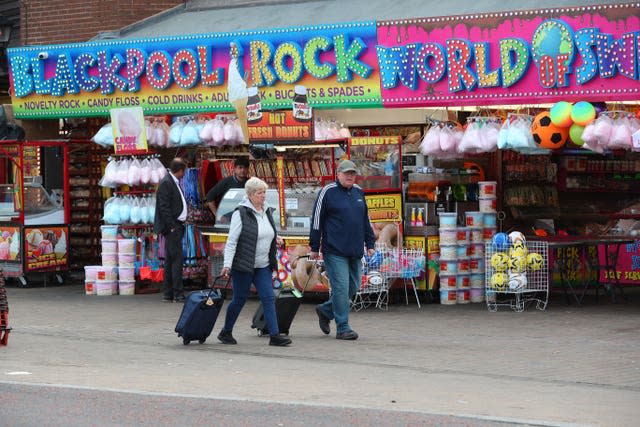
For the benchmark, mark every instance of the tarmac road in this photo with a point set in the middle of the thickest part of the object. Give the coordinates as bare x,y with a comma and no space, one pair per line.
563,366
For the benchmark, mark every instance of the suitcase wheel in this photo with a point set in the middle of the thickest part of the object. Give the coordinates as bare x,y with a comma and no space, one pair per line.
202,340
185,341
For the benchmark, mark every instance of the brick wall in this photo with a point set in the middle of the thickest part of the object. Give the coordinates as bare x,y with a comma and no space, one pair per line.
69,21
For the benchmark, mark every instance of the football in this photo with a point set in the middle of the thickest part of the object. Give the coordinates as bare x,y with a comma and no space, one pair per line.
518,250
517,264
546,134
499,281
517,281
535,261
499,261
516,236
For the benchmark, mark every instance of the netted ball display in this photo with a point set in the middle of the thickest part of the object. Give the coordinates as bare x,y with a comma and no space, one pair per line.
499,261
535,261
517,264
583,113
501,241
499,281
546,134
560,114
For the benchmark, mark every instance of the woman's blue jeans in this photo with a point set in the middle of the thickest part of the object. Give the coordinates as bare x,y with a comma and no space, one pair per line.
345,276
261,278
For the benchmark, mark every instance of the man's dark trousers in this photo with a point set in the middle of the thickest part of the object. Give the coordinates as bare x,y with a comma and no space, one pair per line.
173,259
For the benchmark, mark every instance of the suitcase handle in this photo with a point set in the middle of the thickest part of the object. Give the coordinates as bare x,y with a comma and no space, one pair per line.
226,286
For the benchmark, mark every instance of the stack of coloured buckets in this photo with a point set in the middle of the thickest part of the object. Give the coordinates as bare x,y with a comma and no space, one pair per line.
126,258
476,223
106,282
487,196
455,265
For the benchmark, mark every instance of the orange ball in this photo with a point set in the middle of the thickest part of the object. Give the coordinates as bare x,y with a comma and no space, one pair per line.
546,134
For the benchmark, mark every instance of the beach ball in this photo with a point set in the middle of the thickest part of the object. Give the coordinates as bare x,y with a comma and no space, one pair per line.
560,114
535,261
517,264
546,134
501,241
575,133
516,236
583,113
499,261
499,280
517,281
518,249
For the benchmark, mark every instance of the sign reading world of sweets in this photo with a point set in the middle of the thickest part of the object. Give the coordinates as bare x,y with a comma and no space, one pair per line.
589,53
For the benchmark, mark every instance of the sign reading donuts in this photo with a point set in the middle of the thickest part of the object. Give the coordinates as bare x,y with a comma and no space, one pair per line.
280,126
46,248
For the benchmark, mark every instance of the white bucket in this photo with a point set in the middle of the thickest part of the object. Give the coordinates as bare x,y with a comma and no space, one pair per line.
488,233
476,250
463,266
447,281
488,205
106,273
126,287
462,281
448,252
474,219
109,245
475,235
476,280
104,288
89,287
462,235
126,260
462,296
127,246
487,189
126,273
476,265
448,236
109,259
448,219
109,231
476,294
448,297
90,272
448,266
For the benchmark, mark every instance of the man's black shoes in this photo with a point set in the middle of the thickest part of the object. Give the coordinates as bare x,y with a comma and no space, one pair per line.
349,335
279,341
323,321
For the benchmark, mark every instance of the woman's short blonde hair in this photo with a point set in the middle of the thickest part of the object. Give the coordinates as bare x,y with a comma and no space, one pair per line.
254,185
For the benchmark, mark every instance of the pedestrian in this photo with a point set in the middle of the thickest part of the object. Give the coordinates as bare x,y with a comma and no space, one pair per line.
250,257
235,180
171,213
340,226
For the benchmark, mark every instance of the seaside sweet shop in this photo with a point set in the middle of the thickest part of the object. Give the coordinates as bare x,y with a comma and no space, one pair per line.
519,124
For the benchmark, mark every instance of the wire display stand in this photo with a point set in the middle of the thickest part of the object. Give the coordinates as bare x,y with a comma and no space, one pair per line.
517,275
374,288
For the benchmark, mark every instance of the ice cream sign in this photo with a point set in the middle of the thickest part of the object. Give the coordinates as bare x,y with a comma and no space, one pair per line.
336,63
582,53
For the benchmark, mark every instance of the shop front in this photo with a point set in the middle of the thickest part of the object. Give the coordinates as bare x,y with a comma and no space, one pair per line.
489,89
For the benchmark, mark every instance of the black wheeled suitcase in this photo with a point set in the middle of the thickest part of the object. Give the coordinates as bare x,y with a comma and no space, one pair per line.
199,315
287,304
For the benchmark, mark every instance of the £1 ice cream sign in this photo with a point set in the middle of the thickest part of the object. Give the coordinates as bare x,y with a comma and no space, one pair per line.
337,64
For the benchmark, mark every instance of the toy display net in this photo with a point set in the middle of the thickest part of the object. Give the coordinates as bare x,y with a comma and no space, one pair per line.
517,274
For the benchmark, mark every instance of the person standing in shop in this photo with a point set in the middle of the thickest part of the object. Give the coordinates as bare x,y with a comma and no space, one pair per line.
171,213
340,224
236,180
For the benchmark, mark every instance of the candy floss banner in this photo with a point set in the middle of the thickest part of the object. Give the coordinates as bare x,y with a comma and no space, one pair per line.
336,63
582,53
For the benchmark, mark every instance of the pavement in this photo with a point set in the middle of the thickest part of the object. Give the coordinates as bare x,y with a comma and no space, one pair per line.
565,366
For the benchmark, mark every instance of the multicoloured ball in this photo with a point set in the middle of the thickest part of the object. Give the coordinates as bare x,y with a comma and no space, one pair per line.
499,261
575,133
517,281
501,241
535,261
560,114
499,281
583,113
517,237
518,264
546,134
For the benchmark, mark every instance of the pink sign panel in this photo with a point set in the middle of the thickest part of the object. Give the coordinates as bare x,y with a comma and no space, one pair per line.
589,53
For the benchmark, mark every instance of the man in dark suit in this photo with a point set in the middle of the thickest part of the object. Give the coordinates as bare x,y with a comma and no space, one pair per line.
171,213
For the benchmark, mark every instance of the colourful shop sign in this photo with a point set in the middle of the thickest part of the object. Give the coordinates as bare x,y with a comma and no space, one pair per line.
186,74
587,53
46,248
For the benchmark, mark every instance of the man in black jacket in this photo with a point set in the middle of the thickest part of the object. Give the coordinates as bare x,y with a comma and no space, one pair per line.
171,213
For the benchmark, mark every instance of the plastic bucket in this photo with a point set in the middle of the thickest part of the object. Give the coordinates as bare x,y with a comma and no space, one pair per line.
475,235
463,296
448,252
489,219
462,235
487,189
448,219
448,297
89,287
463,266
488,205
126,260
109,259
448,266
126,273
488,233
476,265
127,246
462,251
106,273
462,281
109,245
127,287
476,250
448,281
448,236
476,280
109,231
476,294
474,219
90,272
104,288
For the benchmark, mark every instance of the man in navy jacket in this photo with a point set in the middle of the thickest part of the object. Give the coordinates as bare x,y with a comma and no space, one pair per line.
340,223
